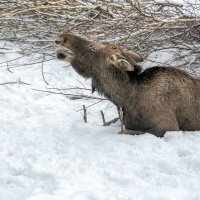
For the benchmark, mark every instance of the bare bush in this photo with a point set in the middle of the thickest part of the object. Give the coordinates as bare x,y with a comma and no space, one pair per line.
145,26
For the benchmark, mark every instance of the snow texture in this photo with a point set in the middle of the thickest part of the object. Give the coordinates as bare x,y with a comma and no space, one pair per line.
47,152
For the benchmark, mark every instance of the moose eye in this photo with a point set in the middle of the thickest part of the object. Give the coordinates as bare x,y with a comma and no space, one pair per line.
92,48
114,48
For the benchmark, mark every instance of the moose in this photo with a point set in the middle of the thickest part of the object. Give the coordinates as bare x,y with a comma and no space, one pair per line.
155,100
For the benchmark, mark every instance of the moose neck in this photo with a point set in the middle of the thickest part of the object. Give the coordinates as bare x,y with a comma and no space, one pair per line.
116,86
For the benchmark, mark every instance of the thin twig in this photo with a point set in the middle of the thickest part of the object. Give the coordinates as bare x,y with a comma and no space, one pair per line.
84,114
42,70
15,82
81,96
111,121
103,117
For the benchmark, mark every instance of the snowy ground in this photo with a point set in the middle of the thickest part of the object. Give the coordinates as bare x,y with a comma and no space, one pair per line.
47,152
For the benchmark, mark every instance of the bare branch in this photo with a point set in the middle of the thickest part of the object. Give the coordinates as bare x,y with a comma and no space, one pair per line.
84,114
15,82
103,117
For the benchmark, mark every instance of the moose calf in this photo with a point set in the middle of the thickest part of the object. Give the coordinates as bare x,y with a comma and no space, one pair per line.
157,100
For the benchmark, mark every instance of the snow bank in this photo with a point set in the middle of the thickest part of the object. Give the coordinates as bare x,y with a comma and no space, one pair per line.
48,153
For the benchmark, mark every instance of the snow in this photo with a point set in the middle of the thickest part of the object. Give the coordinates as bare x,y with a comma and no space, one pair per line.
47,152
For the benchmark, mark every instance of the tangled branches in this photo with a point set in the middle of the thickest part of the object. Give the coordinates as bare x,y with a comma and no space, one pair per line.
145,26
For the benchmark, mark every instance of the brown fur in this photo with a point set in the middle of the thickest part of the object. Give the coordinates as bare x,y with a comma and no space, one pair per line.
157,100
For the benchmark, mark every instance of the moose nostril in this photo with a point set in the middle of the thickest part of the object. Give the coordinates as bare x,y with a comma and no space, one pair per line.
61,55
58,41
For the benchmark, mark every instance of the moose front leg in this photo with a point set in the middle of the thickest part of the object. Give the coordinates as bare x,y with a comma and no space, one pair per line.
121,117
126,131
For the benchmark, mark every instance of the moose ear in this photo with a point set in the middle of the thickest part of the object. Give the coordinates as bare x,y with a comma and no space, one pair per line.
121,63
136,57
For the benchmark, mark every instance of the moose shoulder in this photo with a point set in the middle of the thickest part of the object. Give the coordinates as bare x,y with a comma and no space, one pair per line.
156,100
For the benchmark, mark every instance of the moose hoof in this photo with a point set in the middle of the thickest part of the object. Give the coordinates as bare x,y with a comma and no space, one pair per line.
131,132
